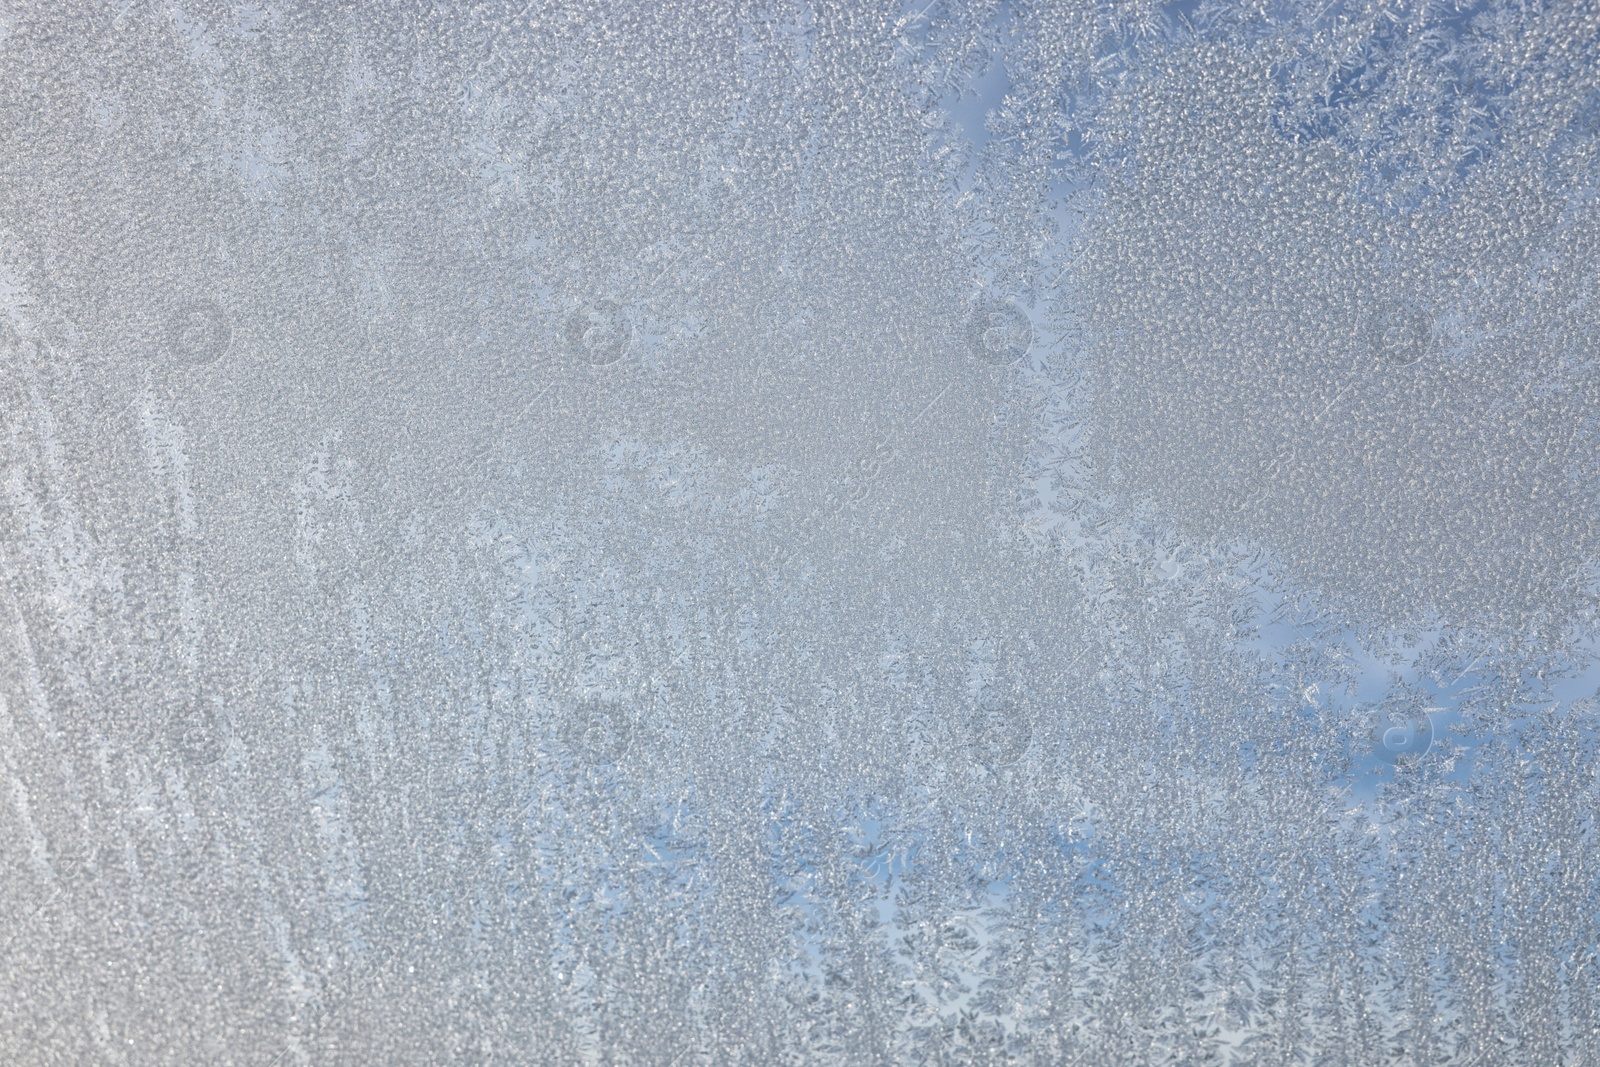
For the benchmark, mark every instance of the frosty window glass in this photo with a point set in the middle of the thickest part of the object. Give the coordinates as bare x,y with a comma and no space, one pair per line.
777,532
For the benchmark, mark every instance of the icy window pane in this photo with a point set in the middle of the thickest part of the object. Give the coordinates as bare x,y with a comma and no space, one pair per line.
780,532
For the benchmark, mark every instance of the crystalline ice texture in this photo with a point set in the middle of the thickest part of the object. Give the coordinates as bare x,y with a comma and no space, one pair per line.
798,533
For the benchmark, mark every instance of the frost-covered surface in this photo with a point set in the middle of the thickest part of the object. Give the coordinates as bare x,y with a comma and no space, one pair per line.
799,533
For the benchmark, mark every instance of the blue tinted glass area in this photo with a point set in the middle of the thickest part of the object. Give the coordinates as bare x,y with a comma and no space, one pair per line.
780,532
